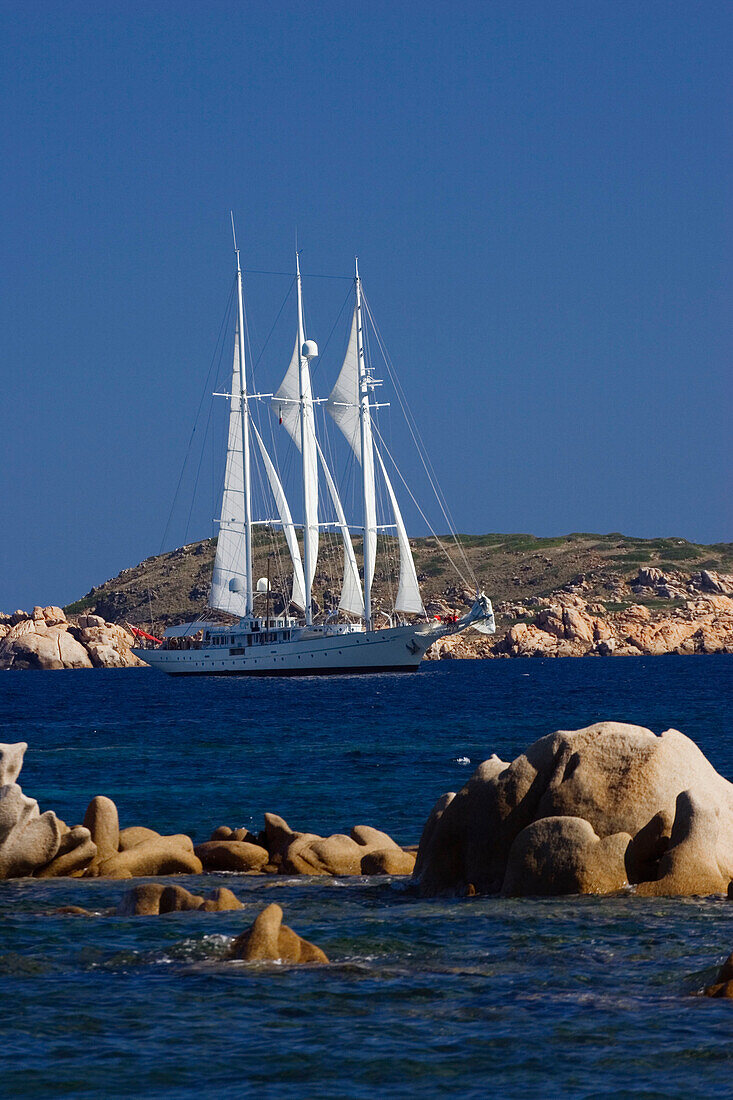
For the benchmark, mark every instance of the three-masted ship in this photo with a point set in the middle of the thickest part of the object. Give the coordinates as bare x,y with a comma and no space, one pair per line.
349,641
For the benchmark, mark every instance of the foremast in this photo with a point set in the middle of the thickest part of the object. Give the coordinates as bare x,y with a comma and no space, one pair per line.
232,590
244,404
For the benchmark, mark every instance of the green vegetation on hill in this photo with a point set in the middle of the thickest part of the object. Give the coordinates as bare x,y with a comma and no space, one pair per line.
173,587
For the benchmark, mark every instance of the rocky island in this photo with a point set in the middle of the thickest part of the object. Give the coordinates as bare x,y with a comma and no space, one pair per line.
574,596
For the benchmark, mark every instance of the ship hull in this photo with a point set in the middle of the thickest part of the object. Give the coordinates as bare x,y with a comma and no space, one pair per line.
398,649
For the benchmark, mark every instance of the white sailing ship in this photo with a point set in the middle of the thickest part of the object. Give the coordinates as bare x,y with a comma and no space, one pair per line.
350,640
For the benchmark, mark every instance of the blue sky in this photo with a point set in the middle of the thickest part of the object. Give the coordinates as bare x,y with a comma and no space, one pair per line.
539,196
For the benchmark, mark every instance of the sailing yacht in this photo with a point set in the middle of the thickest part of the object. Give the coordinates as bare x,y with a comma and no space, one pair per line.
350,640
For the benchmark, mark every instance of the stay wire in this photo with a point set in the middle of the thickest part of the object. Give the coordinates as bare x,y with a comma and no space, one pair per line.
215,360
424,458
415,502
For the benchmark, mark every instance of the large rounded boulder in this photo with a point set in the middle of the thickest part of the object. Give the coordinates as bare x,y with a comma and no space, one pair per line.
620,805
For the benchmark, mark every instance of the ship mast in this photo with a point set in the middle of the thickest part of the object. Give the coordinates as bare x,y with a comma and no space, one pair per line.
305,447
366,441
249,593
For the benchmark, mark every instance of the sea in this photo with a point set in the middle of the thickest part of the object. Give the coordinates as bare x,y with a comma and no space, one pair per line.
563,997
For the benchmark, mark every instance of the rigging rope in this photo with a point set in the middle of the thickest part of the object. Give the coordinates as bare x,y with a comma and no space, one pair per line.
215,360
473,583
424,458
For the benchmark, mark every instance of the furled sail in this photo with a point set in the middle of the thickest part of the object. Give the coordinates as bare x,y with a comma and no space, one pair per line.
343,405
228,588
287,405
352,599
298,595
408,590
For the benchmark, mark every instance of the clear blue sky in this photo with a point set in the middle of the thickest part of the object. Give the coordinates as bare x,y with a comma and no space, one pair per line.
538,193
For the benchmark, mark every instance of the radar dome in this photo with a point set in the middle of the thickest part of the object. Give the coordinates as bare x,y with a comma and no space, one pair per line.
310,349
236,584
262,584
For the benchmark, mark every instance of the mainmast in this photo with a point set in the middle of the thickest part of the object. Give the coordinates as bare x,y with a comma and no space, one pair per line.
307,350
249,594
367,470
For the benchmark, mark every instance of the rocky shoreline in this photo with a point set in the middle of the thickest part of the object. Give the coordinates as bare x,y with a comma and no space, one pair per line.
610,809
592,811
44,846
652,614
45,639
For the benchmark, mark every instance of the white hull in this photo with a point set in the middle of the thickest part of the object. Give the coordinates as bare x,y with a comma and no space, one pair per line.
398,649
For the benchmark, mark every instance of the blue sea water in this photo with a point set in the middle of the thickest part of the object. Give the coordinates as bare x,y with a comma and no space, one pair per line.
577,997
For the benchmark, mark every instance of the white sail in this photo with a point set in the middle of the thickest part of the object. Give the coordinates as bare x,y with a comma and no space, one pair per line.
343,405
408,590
298,595
352,599
228,583
286,403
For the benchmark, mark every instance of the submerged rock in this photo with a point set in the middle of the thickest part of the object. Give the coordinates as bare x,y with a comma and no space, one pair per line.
221,900
149,899
142,901
585,811
270,939
723,984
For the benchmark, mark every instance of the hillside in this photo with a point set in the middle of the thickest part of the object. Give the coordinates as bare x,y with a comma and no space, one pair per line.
513,569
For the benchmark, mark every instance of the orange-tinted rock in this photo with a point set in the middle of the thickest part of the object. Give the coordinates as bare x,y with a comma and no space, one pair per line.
231,855
134,835
176,899
269,939
142,901
563,855
221,901
152,898
372,838
166,855
102,821
388,861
